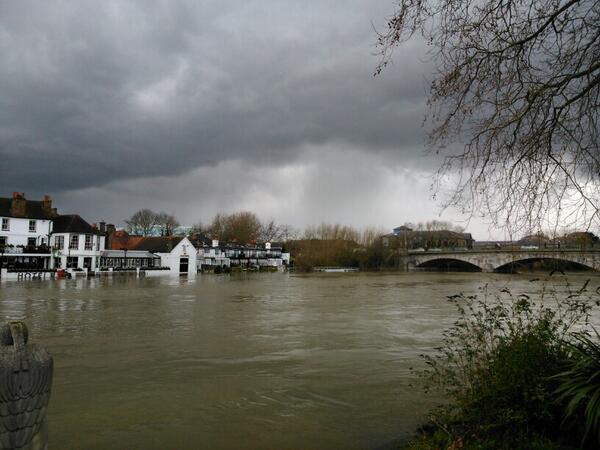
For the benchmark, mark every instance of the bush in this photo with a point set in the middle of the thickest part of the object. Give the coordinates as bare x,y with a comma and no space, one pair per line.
580,385
495,363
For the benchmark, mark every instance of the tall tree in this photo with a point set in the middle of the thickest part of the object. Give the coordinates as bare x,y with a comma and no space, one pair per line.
241,226
514,103
142,222
271,231
167,223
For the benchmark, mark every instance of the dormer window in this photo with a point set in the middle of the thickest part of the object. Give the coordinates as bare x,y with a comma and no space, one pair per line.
5,225
32,226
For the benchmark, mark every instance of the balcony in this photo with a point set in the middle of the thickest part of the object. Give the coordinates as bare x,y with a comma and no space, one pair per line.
25,249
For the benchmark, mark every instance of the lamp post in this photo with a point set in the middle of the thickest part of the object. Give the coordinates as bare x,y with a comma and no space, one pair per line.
124,258
2,247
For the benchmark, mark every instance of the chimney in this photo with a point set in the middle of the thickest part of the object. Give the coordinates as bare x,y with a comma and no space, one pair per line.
102,227
18,205
47,204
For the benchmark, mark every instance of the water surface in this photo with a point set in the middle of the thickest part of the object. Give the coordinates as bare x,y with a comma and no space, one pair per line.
257,361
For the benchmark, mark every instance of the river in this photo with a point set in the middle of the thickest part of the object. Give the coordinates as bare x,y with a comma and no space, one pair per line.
249,361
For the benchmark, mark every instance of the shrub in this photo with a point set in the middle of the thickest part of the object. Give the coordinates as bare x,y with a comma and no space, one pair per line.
580,384
495,362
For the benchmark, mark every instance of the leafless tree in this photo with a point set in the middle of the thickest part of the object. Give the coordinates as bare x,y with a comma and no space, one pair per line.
199,228
271,231
242,227
328,231
142,222
370,235
167,223
439,225
514,104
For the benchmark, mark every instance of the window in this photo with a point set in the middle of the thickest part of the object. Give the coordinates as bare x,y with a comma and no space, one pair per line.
32,224
74,242
72,262
31,242
3,241
59,242
89,244
5,225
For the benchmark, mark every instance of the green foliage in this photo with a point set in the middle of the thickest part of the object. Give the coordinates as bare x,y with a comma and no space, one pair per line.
495,363
438,441
580,384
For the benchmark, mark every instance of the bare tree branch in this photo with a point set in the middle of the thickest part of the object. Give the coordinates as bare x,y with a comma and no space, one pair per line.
517,87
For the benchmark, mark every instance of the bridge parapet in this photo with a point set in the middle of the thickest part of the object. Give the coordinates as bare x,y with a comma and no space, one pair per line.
491,260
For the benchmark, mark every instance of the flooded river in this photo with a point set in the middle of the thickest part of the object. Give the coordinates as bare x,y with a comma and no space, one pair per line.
257,361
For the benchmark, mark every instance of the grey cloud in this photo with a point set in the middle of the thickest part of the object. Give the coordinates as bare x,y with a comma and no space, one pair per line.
331,184
94,93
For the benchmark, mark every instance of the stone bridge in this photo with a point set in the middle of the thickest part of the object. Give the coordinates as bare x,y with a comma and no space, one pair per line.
496,260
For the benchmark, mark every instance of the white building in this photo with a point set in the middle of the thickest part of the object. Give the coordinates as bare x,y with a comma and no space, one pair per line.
211,256
76,244
25,228
176,252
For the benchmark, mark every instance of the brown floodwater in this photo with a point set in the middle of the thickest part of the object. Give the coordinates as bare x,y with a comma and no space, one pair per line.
256,361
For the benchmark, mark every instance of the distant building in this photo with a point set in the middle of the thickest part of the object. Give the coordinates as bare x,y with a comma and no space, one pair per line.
407,239
25,229
212,254
76,244
255,255
401,229
175,252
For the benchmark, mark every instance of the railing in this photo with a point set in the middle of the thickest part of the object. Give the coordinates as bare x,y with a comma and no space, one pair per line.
21,249
30,269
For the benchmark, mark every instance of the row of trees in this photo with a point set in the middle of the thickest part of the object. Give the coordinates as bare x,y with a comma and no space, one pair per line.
245,226
323,244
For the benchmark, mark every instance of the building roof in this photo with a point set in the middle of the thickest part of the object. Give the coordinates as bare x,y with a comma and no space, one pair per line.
130,254
158,244
121,239
73,223
33,209
402,228
200,240
431,234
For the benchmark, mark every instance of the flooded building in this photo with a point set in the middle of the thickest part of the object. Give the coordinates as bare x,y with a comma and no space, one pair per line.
25,229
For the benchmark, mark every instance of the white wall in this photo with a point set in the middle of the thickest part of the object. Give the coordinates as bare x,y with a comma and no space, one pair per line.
18,232
80,252
184,249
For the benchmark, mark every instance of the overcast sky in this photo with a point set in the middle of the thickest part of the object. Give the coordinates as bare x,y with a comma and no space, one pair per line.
198,107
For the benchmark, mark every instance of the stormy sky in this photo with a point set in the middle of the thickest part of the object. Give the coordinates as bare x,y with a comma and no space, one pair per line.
198,107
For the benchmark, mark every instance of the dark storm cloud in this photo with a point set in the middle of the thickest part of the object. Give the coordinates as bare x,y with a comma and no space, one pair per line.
97,92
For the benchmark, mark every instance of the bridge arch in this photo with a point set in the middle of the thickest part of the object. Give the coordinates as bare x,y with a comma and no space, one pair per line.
558,262
448,264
